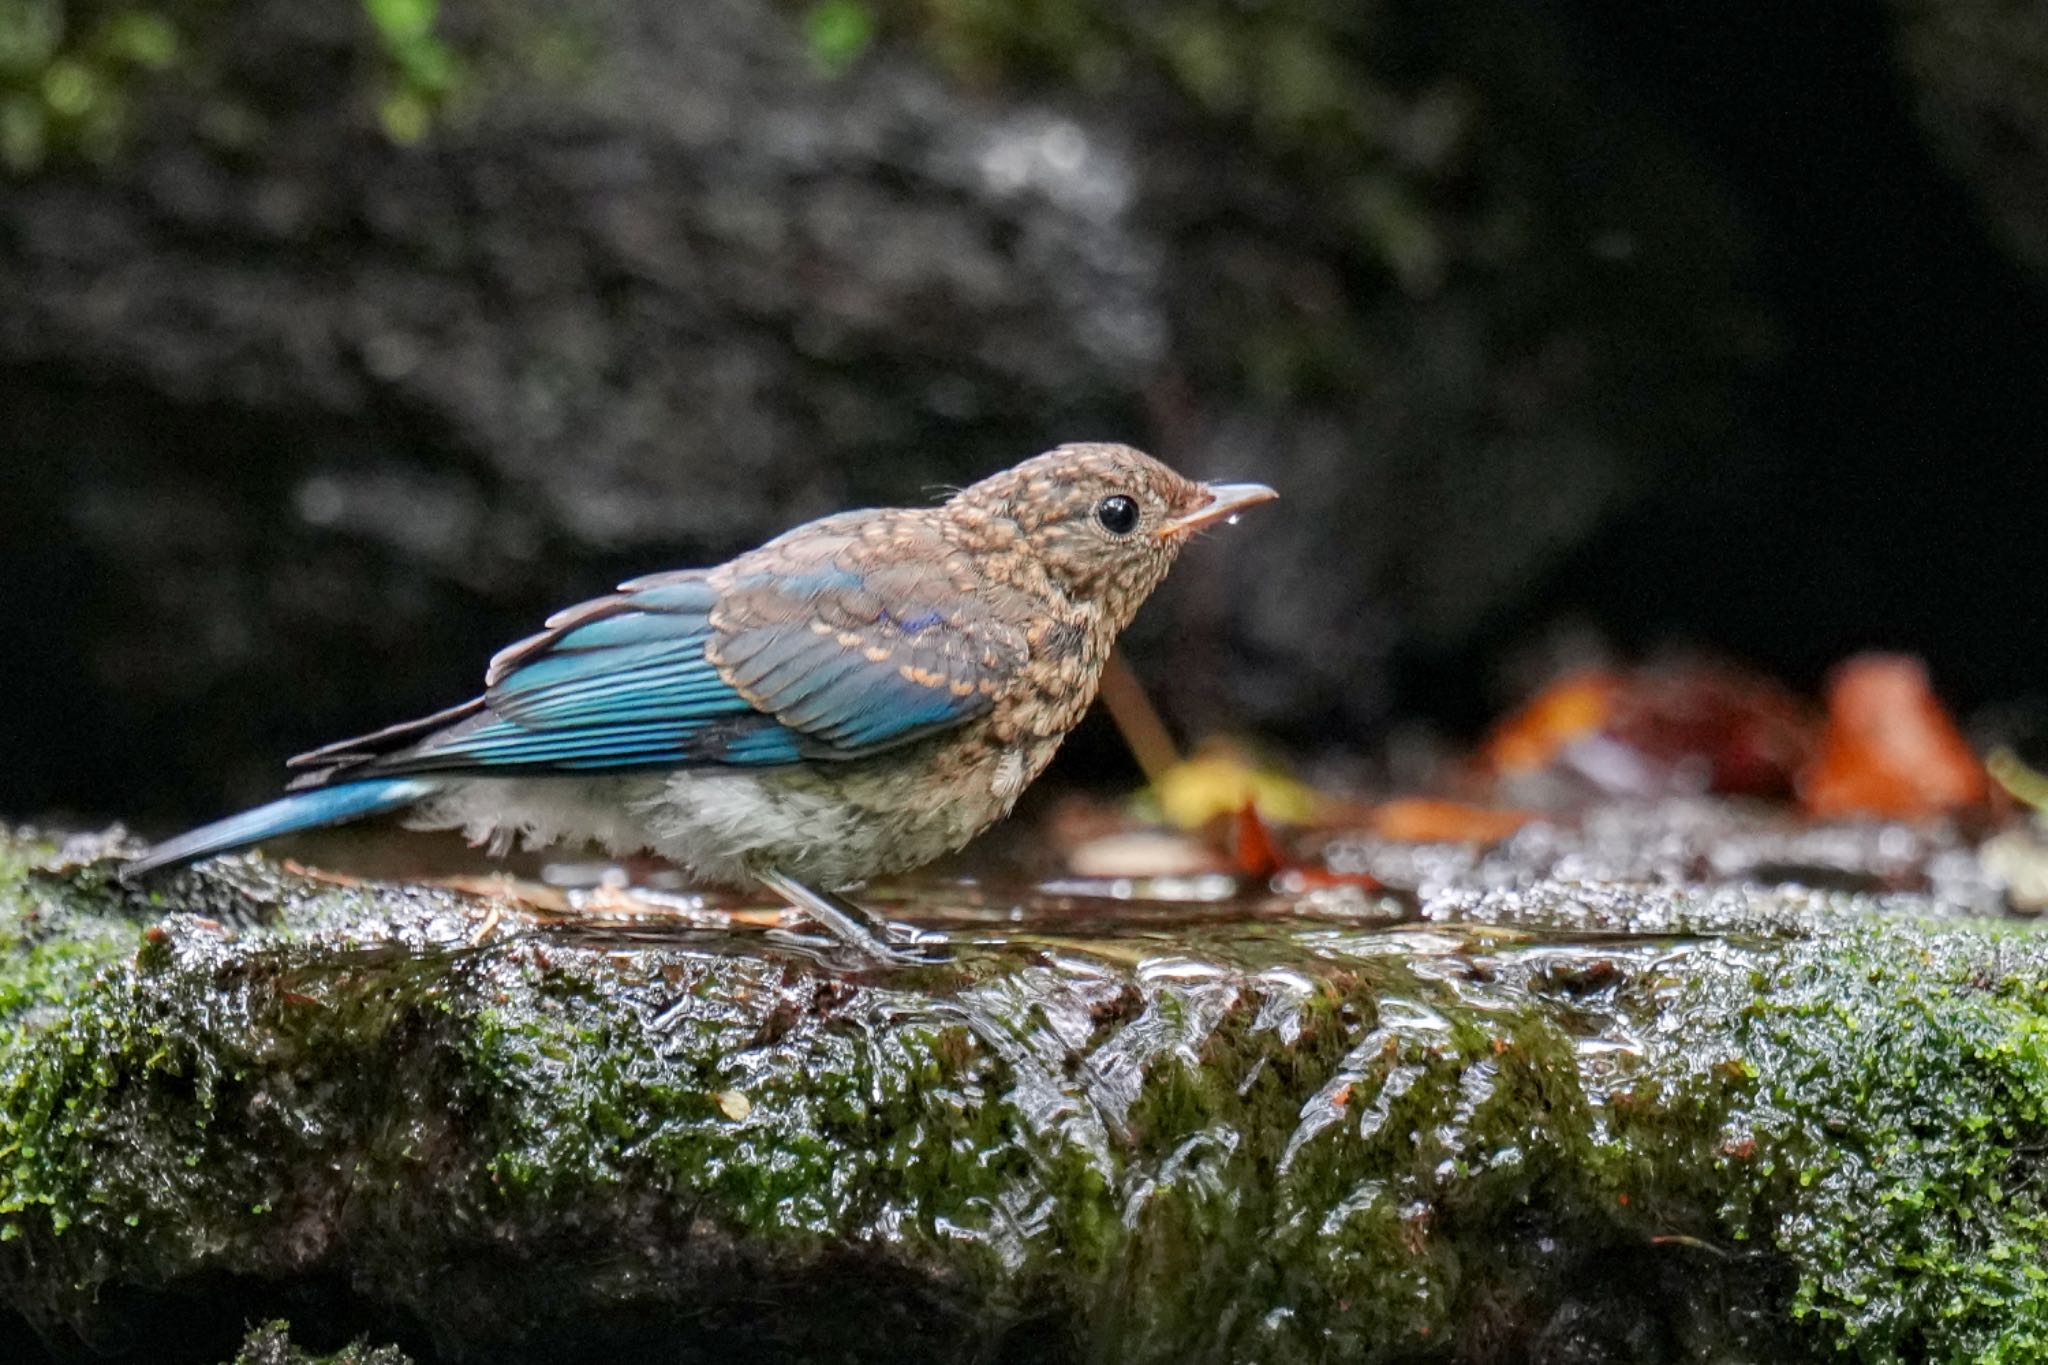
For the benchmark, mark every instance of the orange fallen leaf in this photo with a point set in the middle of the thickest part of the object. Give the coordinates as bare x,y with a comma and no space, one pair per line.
1306,877
1528,738
1423,820
1738,731
1253,849
1889,749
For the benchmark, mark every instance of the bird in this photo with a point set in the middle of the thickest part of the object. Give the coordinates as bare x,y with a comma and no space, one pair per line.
854,698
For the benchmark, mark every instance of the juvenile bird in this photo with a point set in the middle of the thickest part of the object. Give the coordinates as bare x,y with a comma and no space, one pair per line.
854,698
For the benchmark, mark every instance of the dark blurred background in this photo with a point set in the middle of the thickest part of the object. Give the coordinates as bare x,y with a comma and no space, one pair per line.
340,342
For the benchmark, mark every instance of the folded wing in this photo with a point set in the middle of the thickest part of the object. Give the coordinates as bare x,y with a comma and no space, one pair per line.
830,648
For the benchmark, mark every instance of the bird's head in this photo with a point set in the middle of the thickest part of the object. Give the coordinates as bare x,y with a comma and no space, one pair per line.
1105,521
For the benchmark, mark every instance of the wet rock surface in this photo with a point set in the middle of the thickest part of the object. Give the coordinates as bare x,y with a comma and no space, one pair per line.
1703,841
1555,1121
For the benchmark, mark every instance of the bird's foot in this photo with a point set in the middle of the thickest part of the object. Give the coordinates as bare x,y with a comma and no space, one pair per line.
860,929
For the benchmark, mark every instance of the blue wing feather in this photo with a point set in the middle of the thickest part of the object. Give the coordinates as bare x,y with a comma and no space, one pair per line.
599,664
809,660
629,628
659,691
287,815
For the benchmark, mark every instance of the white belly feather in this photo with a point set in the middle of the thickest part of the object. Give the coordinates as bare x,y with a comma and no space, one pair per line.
724,823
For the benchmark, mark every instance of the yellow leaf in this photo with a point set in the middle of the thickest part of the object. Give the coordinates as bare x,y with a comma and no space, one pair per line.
1221,779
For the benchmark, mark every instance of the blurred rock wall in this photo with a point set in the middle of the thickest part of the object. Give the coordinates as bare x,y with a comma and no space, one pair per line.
303,416
1976,68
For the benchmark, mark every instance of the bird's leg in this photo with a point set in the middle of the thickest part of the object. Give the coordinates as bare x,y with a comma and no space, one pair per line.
861,930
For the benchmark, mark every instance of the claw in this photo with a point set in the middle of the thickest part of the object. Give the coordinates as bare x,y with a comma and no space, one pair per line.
861,930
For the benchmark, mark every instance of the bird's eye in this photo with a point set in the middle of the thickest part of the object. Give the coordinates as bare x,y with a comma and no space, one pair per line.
1117,514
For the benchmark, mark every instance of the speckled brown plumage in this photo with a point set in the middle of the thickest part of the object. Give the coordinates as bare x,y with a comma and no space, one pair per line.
855,697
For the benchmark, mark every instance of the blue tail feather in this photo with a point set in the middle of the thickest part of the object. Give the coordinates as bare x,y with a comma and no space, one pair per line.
301,810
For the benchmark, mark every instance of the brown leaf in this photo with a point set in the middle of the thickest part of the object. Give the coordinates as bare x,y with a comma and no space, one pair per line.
1890,748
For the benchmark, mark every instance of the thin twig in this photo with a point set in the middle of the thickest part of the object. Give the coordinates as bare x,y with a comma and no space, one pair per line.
1137,719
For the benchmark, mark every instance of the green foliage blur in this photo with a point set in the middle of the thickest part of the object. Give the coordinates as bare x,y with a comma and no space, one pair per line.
423,70
72,72
837,32
67,71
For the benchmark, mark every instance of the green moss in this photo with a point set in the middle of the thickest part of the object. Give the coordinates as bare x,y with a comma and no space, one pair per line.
51,949
1901,1091
571,1100
53,954
1292,1140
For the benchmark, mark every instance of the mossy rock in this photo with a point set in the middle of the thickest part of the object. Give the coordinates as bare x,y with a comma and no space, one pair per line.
1567,1123
272,1344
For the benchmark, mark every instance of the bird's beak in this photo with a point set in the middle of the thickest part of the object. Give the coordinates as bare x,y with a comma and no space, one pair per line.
1226,500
